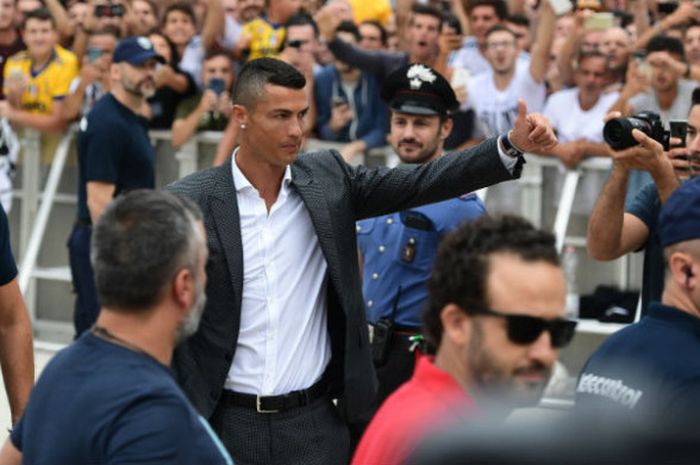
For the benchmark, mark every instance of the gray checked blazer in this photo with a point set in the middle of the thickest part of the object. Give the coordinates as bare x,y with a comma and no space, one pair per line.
336,195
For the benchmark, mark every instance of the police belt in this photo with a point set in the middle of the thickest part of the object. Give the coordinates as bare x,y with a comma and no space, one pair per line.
276,404
401,337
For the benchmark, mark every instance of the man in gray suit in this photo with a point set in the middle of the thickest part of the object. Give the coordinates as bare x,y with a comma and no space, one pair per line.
284,330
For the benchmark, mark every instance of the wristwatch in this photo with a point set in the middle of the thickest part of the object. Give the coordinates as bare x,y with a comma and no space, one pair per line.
509,148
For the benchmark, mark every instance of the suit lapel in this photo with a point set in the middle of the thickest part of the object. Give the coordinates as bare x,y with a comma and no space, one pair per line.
224,209
315,202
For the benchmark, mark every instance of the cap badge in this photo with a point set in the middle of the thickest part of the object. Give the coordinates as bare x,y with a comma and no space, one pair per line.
144,43
418,74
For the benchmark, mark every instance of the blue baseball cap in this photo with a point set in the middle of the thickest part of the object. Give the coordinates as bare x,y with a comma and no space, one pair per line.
136,51
680,216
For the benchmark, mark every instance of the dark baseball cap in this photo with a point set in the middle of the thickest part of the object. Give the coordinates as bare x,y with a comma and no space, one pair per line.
680,216
419,90
136,51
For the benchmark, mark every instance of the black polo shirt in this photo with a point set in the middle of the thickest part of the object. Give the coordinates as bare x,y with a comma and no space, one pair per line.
113,147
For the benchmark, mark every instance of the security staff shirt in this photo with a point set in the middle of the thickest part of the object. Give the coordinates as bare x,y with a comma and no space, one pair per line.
650,369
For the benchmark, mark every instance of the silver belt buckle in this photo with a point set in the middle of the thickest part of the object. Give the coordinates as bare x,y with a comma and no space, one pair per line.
260,410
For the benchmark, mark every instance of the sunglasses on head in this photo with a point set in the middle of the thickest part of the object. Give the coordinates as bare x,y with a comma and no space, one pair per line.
525,329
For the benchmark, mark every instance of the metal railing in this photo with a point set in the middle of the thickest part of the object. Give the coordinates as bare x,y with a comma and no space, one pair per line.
36,205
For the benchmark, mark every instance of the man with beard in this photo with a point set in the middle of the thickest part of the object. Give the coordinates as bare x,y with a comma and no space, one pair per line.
110,396
494,313
114,155
397,250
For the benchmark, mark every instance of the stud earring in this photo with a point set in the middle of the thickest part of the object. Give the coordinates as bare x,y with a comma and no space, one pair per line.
242,126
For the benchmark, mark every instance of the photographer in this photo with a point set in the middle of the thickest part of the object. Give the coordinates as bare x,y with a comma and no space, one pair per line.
616,228
208,110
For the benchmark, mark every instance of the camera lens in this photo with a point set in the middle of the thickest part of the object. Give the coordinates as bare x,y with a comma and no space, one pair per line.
618,132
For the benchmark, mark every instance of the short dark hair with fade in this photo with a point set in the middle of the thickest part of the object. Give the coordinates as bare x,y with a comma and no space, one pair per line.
182,7
427,10
664,43
349,27
461,268
40,14
138,244
499,6
256,74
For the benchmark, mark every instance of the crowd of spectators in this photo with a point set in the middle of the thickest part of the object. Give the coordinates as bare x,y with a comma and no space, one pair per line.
56,56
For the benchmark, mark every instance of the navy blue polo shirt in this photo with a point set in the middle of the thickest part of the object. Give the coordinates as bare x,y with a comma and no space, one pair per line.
8,268
650,369
113,147
98,402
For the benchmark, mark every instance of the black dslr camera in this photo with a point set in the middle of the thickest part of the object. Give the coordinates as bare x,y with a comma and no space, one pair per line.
618,132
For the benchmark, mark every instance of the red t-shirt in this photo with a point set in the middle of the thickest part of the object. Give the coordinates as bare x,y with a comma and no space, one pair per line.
417,408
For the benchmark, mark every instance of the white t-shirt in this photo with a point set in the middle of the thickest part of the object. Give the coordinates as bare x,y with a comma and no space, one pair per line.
496,110
573,123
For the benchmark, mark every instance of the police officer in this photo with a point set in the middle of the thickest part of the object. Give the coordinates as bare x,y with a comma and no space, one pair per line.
114,156
397,250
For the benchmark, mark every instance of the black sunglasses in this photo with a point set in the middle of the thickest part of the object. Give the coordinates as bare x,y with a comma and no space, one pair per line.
525,329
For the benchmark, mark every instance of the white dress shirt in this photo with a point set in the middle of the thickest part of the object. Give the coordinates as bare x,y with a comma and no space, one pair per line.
283,343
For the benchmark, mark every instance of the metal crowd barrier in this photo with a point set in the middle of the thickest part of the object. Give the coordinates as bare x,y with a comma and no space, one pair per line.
36,205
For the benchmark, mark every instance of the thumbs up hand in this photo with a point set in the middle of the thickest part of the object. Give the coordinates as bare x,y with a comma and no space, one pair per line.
531,132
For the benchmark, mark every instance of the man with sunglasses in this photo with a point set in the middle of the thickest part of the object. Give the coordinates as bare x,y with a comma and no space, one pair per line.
494,314
651,370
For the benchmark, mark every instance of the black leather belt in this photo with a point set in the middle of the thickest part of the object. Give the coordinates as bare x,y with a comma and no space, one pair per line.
276,404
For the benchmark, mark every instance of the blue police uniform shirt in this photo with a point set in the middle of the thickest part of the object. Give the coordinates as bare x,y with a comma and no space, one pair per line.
646,206
113,147
8,268
398,252
650,369
98,402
